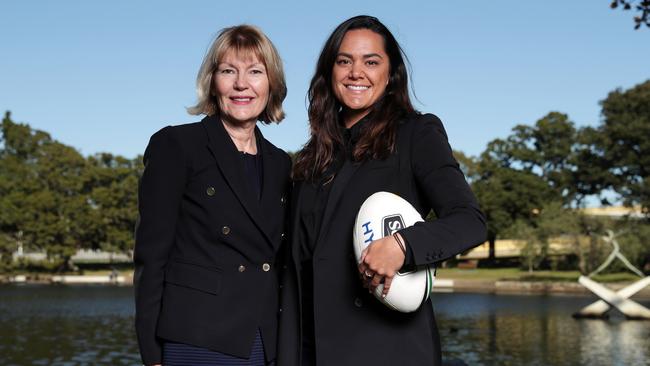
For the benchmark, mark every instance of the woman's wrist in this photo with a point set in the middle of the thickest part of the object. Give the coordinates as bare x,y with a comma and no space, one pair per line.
400,242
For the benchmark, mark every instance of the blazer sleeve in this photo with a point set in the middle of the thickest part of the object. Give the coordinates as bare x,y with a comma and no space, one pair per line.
159,197
460,224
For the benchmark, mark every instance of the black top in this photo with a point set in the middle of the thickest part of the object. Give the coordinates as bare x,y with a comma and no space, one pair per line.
316,194
312,208
253,172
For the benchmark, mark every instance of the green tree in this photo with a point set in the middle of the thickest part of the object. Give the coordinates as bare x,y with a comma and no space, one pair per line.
507,195
591,176
551,221
469,166
58,206
516,176
41,185
18,181
111,190
634,240
621,143
642,7
544,149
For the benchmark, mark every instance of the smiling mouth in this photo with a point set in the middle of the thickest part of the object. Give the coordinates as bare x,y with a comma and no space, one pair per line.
241,100
357,87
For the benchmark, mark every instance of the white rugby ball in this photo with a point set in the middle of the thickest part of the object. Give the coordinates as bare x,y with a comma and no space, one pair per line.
380,215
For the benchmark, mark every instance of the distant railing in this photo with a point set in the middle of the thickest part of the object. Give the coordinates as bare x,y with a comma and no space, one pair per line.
82,256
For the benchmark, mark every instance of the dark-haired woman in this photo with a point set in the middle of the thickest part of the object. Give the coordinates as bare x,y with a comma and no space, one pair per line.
367,137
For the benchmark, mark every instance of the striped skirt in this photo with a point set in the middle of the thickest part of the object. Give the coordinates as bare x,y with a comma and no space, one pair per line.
180,354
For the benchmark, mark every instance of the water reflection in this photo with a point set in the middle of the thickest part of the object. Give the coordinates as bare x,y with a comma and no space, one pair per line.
93,325
51,325
485,329
624,342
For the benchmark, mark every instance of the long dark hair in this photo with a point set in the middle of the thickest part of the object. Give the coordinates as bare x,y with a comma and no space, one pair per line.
377,138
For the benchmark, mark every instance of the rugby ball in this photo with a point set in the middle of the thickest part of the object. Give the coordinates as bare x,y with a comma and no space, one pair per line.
380,215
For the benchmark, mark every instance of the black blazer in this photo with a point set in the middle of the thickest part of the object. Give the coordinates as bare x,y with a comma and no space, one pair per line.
205,246
351,326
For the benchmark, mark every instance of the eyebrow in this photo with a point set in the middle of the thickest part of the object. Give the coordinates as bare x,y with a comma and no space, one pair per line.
369,55
257,64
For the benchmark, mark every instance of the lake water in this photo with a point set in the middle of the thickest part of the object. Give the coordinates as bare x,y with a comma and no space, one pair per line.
93,325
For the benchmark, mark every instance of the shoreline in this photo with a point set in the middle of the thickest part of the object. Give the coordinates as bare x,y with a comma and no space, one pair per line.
514,287
441,284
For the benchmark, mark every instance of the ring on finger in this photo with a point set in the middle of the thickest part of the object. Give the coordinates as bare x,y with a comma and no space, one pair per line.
368,274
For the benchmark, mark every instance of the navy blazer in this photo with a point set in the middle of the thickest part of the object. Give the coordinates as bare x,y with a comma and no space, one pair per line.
351,326
205,246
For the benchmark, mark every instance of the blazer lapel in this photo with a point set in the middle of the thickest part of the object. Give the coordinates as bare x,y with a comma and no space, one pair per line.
338,188
294,218
271,193
225,153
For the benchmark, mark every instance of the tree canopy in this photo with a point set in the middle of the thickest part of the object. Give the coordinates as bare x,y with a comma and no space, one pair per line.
55,200
642,8
552,162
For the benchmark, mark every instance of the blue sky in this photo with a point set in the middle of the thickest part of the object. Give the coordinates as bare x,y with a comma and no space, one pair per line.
104,76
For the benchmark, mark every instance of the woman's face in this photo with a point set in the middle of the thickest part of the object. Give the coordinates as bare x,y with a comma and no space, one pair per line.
360,73
241,86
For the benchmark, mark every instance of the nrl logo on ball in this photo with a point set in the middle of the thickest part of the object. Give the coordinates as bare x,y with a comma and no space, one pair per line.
392,224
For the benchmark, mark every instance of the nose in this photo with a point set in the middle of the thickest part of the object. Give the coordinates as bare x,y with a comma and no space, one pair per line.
240,82
356,71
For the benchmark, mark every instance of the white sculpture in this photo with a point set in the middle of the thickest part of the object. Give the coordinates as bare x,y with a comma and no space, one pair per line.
619,299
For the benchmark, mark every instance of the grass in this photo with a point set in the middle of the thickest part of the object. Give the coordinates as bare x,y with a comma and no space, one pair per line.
516,274
106,272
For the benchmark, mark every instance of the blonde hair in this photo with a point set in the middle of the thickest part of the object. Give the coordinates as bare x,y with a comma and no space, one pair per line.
247,40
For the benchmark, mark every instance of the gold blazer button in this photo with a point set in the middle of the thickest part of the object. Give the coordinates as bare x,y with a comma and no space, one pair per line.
225,230
242,268
210,191
266,267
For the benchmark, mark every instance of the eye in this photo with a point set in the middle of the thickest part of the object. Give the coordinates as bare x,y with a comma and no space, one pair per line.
257,72
226,71
372,63
343,61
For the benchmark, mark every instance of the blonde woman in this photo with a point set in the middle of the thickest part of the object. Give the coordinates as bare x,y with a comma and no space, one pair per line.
212,204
